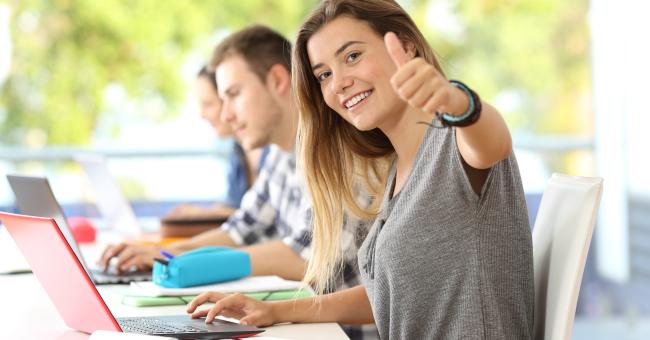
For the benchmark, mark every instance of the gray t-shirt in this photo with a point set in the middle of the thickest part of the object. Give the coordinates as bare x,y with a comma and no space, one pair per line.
442,262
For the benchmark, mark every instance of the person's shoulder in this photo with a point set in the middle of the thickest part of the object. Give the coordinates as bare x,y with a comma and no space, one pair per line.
279,161
272,154
277,155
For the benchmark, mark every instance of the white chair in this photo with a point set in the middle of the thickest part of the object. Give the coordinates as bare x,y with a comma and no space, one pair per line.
561,236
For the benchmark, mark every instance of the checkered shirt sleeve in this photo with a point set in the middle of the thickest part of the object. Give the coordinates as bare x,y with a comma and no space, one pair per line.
275,207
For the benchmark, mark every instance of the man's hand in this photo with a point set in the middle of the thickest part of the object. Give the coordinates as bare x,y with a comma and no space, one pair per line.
129,256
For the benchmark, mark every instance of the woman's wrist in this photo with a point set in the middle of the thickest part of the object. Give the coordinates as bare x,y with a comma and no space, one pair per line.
296,311
471,114
279,311
461,102
274,313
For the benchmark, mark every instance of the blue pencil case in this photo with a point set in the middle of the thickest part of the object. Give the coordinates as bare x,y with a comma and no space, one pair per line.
202,266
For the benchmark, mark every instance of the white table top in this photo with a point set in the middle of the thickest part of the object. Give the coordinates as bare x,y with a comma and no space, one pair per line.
27,313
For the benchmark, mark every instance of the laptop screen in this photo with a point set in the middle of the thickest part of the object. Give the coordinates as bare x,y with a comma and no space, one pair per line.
110,200
60,273
34,197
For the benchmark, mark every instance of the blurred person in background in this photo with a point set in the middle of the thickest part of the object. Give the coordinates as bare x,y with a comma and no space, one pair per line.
243,166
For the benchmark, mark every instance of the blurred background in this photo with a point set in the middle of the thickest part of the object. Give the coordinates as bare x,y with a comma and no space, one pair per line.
115,78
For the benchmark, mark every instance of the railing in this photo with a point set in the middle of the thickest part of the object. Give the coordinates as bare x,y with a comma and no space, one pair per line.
21,154
59,153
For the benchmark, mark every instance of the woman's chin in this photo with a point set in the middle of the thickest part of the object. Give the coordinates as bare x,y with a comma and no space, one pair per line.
363,125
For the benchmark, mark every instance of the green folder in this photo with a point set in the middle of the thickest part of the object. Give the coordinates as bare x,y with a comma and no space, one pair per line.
148,301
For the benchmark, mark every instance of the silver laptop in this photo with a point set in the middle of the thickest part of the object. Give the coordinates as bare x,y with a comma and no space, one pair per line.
111,202
34,196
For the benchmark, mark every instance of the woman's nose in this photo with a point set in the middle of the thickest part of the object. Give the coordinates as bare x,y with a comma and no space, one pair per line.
340,83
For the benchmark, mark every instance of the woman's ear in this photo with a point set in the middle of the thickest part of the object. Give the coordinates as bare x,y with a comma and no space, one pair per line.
278,79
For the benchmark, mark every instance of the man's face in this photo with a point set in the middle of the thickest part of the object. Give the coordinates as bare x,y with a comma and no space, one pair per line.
248,104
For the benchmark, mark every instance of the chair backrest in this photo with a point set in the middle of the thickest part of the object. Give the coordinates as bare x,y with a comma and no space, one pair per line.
561,236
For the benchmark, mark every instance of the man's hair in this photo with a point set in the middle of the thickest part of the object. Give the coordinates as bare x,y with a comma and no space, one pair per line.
260,46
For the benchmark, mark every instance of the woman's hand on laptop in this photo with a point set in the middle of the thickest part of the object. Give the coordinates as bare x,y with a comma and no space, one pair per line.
247,310
130,256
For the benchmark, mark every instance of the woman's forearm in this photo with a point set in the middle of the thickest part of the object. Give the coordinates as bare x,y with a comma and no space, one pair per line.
350,306
487,141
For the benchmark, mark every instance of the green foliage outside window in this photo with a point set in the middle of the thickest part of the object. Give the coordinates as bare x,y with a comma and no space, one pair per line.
531,55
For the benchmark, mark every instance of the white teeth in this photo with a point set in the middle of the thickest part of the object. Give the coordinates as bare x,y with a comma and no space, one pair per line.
356,99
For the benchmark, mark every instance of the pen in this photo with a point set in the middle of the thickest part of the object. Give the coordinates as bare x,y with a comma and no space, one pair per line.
161,261
166,254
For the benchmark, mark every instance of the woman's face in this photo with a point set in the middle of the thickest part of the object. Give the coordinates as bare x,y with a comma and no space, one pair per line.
210,106
351,63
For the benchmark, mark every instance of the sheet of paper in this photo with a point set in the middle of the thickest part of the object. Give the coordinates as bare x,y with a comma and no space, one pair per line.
11,259
246,285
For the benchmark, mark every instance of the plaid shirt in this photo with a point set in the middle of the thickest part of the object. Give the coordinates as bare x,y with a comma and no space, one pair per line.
277,207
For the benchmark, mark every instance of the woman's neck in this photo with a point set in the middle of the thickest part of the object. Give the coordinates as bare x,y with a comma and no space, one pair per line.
405,133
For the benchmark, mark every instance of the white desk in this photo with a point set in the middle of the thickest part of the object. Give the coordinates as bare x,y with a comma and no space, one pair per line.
27,313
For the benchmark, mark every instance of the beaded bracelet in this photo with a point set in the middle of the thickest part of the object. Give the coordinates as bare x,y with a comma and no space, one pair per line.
470,116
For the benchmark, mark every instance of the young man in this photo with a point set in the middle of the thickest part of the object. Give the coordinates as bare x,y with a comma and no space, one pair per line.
273,223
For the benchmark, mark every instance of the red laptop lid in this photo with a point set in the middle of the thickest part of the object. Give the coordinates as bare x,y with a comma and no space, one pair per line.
58,270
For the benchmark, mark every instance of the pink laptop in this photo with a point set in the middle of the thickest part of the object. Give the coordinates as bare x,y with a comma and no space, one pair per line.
77,300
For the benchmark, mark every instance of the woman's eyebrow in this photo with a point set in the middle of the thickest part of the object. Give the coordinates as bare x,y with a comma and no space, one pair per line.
338,51
346,45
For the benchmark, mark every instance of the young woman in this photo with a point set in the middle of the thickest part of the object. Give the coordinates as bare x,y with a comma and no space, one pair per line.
450,254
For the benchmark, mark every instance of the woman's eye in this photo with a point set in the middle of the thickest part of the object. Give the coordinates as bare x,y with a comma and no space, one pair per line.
323,76
352,56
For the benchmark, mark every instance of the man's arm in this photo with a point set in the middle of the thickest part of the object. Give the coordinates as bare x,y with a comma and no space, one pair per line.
269,258
216,237
142,256
276,258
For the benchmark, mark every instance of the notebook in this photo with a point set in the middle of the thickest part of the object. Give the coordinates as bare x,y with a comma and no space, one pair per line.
250,284
149,301
69,288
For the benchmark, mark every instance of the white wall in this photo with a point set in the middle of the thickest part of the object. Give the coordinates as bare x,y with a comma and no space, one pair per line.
621,70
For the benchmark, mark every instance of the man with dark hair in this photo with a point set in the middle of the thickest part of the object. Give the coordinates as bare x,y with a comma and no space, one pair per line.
259,46
273,224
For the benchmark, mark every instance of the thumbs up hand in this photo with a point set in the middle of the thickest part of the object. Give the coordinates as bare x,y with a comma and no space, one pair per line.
420,84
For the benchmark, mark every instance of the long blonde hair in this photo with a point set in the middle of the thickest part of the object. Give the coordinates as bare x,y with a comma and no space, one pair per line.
339,160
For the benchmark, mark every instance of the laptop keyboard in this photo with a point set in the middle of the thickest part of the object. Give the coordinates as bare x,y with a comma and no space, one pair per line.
102,278
149,325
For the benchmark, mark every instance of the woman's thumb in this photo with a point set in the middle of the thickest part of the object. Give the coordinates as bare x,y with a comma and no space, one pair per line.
395,49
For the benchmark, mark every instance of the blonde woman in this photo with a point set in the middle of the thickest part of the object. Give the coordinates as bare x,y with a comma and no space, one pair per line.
449,255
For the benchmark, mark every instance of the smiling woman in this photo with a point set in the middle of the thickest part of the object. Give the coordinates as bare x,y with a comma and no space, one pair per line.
450,246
